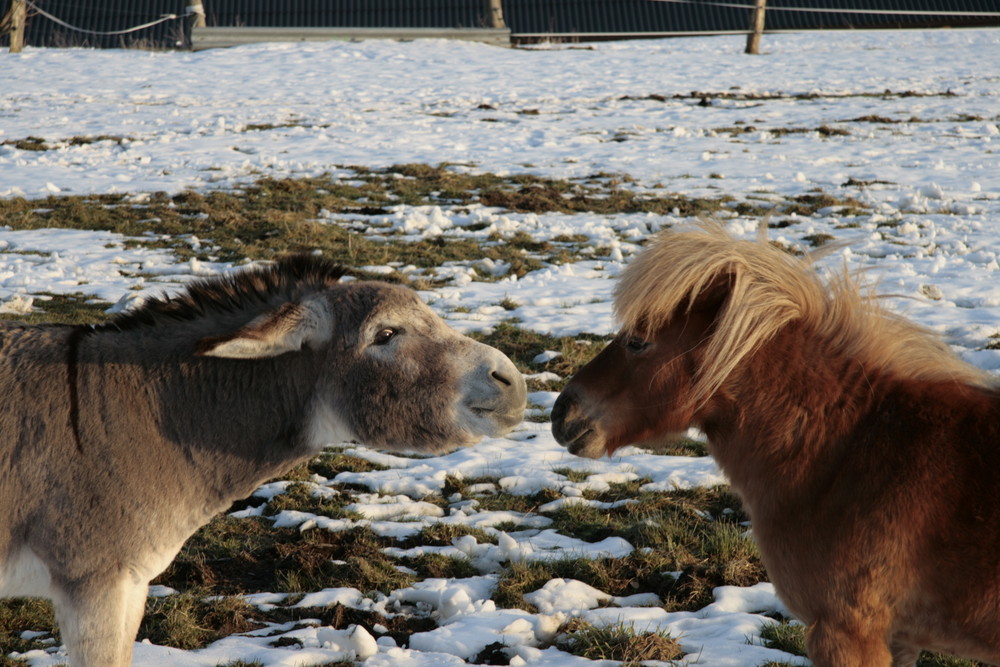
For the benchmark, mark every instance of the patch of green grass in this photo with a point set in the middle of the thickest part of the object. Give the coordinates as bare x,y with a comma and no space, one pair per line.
817,240
618,642
229,556
275,216
520,578
85,140
683,447
334,460
368,570
27,144
617,491
807,204
303,497
648,571
439,566
822,130
399,626
655,518
571,474
694,533
522,346
261,127
62,309
508,303
191,620
445,534
785,636
38,144
20,615
328,464
928,659
504,501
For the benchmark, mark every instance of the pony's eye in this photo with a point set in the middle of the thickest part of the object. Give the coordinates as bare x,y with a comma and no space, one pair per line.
635,344
384,336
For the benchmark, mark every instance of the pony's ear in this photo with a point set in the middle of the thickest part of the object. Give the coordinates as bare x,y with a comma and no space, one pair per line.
713,296
289,328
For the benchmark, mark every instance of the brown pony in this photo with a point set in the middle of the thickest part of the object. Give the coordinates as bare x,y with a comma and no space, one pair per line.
867,454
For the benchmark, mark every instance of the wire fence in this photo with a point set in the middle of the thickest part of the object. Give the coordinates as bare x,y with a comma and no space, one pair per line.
843,10
101,33
163,24
154,24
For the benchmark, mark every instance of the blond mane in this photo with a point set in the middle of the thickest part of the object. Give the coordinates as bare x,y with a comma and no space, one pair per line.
770,288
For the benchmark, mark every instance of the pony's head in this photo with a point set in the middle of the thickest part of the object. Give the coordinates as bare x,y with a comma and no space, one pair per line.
697,304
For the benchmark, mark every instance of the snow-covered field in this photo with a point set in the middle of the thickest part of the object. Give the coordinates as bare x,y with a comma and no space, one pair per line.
908,124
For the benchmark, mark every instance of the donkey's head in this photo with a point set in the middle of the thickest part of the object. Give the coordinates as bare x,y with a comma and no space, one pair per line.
388,371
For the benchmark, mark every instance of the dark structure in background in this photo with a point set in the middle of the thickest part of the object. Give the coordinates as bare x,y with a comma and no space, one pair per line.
528,20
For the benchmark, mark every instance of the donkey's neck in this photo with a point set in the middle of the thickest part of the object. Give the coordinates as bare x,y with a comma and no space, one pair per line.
224,425
789,407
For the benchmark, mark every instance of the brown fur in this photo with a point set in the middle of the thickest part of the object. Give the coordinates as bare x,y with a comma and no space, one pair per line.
867,454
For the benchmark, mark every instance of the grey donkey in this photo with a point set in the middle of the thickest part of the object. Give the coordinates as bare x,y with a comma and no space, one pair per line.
118,441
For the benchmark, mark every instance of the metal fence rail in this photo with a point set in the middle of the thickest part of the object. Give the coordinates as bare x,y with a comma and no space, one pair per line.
219,37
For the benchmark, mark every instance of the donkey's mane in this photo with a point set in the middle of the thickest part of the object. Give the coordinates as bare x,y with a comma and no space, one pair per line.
290,277
769,289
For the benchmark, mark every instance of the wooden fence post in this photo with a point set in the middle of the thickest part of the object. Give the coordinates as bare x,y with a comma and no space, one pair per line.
756,28
494,14
16,17
197,13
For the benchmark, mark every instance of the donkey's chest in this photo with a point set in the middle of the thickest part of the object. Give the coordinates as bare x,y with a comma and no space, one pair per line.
158,544
137,545
22,573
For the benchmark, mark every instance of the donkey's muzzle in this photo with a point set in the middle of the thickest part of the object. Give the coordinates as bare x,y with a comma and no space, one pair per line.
496,394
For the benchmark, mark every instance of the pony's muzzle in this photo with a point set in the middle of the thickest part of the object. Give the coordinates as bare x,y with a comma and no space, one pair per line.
575,430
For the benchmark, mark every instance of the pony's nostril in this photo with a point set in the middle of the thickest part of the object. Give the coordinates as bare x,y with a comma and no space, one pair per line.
499,377
559,410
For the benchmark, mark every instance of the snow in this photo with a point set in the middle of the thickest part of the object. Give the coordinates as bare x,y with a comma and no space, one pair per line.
921,113
569,595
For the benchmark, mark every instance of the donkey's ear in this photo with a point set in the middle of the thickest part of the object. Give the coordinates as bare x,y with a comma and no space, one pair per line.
287,329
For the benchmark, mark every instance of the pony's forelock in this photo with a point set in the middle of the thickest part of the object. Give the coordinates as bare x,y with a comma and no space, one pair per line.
769,288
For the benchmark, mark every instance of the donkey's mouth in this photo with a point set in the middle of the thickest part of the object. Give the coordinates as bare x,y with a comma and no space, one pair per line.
494,421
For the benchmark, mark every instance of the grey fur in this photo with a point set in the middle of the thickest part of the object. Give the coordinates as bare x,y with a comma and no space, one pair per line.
117,442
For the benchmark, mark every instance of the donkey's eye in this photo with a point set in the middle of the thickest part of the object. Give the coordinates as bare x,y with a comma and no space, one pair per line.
635,344
384,336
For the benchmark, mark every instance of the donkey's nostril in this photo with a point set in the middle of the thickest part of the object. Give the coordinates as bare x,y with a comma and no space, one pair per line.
501,379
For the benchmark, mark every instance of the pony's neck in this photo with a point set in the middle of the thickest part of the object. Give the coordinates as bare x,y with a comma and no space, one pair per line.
784,411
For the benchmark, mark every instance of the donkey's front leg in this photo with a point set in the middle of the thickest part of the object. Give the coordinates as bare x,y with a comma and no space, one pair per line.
854,642
99,619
